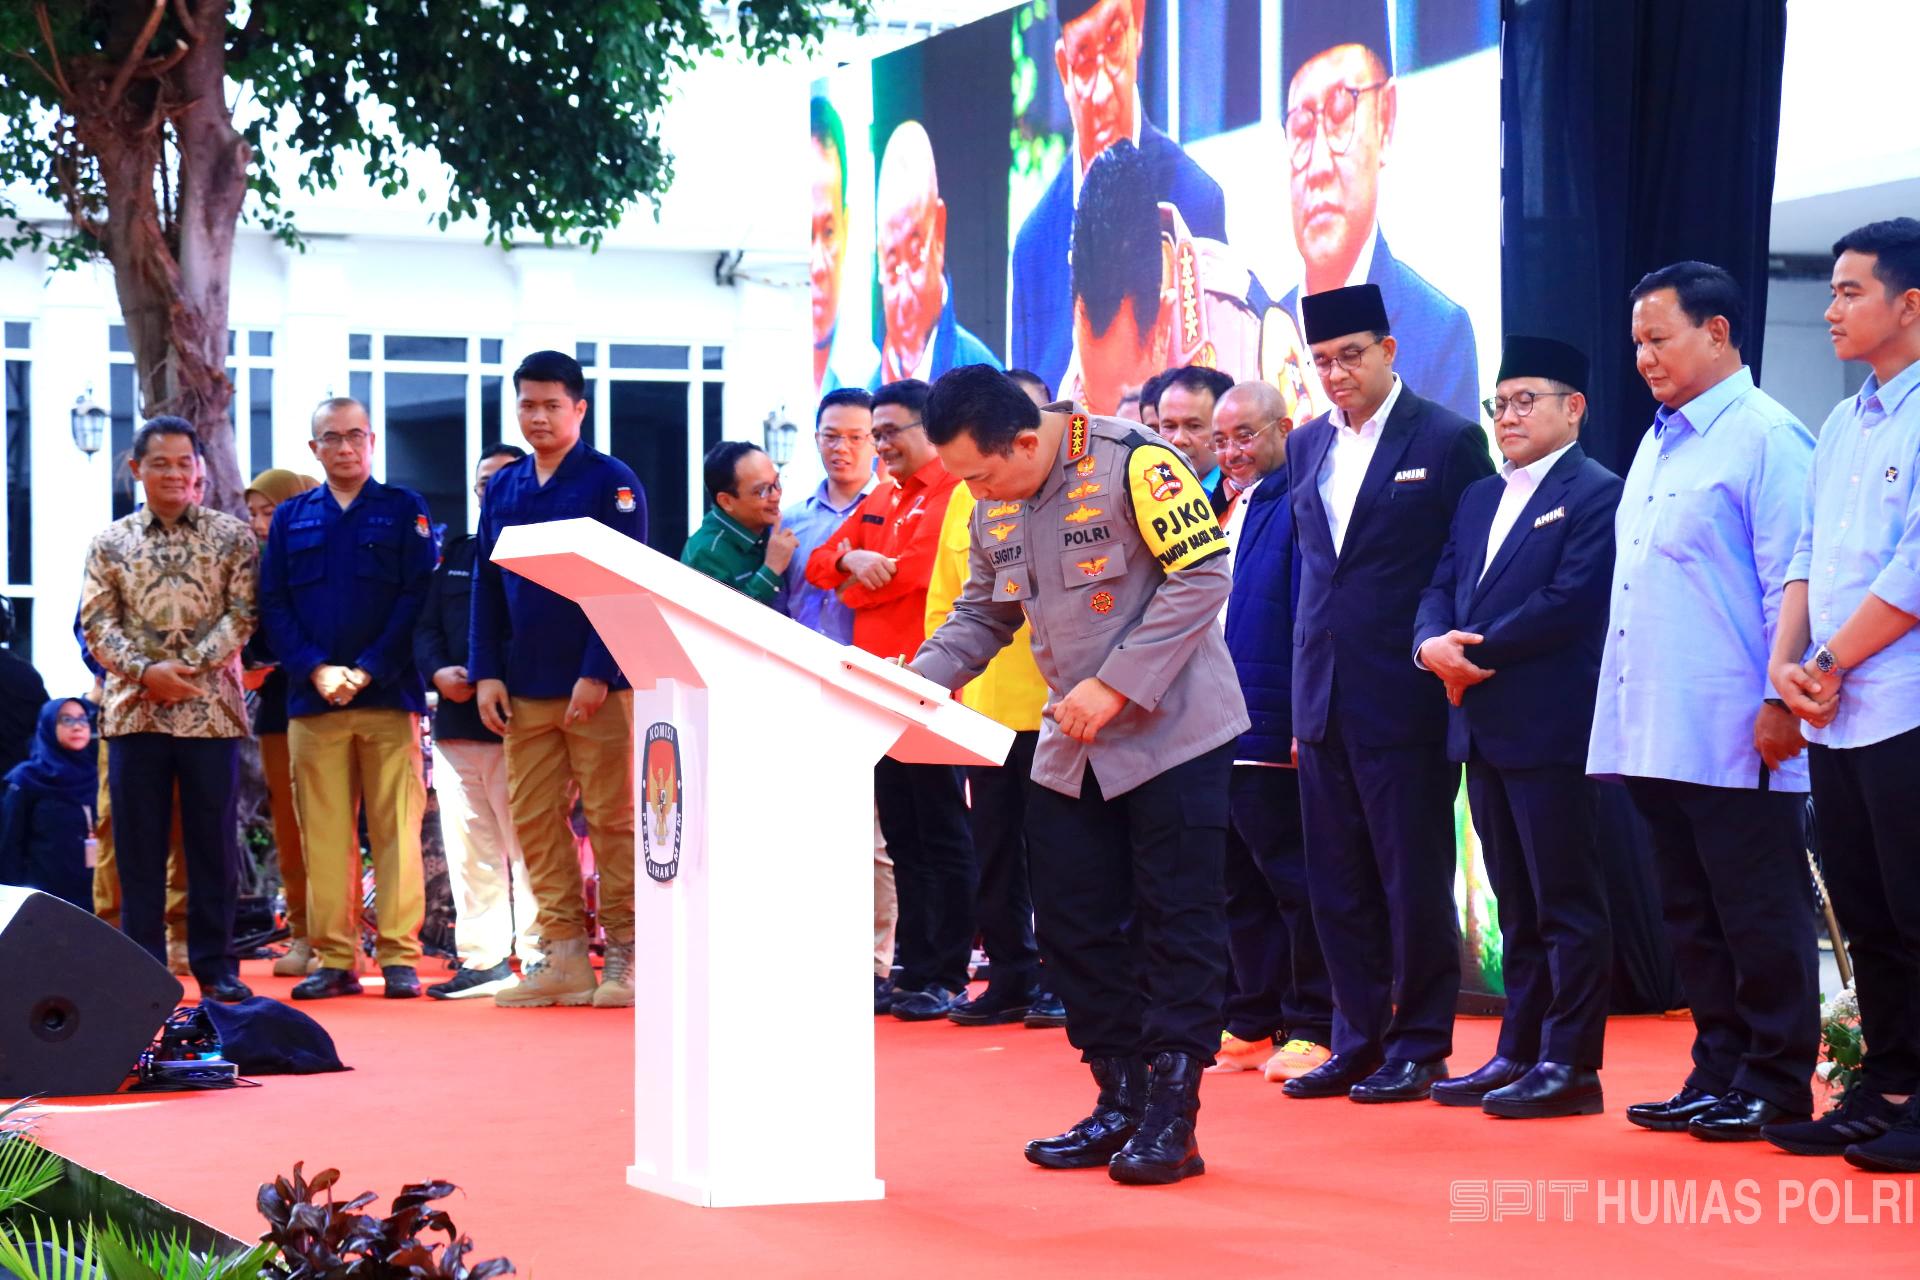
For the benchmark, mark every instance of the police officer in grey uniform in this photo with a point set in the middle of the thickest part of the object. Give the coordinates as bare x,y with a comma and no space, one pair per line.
1098,533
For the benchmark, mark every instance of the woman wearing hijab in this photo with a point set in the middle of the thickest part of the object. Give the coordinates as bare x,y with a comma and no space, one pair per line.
46,814
268,490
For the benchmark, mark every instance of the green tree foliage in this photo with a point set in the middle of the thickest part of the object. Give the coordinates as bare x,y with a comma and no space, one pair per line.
149,122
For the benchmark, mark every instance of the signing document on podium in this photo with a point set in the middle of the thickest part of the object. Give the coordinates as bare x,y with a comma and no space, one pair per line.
1099,535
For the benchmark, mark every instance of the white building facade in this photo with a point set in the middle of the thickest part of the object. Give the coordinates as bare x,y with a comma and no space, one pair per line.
425,327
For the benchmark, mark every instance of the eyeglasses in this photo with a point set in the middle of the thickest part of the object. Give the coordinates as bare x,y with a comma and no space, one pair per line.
1099,51
1243,437
334,439
1348,359
1521,404
1333,115
765,491
885,435
74,722
835,440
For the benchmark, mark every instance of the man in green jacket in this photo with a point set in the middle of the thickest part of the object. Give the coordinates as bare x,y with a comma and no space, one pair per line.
741,542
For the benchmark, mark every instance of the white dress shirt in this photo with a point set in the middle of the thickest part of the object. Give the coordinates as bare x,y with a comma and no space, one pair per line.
1521,482
1345,469
1230,529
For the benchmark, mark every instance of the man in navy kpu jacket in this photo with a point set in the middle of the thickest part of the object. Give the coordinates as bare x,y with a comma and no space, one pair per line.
1513,625
1374,484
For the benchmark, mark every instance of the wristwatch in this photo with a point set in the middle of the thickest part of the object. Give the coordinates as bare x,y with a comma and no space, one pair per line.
1825,663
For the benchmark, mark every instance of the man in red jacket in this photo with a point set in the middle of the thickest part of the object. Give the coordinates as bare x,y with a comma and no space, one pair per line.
879,562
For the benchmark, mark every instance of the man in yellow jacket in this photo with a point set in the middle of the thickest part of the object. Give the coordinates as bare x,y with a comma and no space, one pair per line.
1012,691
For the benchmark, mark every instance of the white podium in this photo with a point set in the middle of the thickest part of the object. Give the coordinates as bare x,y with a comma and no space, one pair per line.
754,743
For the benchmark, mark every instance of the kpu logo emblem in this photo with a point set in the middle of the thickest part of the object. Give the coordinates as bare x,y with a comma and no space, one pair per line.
623,498
421,527
660,824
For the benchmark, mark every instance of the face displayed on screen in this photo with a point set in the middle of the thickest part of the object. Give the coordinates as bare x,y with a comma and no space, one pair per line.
913,243
1114,364
1340,115
829,242
1098,58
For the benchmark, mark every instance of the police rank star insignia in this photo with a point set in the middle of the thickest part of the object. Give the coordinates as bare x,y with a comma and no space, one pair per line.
1001,530
1083,513
1076,437
1086,490
1558,513
623,498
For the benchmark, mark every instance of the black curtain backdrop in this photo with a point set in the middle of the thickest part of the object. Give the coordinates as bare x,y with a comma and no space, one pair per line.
1634,133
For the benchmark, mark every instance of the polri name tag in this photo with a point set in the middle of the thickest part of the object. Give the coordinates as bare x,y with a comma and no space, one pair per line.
1558,513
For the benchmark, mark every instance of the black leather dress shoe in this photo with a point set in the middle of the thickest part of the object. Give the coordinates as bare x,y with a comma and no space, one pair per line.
401,981
1164,1148
1045,1011
1672,1115
1399,1081
1550,1089
1467,1090
1738,1116
325,984
1116,1114
226,991
1332,1078
993,1007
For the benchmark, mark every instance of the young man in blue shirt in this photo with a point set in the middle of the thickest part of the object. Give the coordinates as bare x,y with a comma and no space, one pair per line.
1847,662
545,682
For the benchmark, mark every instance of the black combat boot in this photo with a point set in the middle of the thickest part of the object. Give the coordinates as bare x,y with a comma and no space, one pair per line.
1163,1148
1116,1113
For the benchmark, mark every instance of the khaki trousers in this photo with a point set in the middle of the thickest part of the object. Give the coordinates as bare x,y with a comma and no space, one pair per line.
544,755
343,760
106,872
277,764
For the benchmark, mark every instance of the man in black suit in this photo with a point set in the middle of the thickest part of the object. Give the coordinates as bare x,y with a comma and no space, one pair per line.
1513,625
1098,59
1374,485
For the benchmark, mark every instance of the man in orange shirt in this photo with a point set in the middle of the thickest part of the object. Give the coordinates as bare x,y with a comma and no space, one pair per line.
879,563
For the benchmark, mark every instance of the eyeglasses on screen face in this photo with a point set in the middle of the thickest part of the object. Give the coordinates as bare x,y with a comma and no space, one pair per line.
1334,116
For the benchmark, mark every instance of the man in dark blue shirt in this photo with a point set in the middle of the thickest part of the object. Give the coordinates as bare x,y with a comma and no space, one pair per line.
547,684
346,571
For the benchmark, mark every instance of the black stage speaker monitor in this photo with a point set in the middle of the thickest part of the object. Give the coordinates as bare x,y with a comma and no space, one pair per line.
79,1000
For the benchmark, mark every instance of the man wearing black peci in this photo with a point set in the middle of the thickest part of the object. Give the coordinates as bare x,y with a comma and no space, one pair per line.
1374,485
1513,624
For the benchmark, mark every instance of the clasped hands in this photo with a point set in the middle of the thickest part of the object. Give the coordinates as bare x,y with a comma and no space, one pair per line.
1446,657
339,685
1811,696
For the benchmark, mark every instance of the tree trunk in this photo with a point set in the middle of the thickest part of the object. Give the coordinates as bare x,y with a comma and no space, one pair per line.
169,233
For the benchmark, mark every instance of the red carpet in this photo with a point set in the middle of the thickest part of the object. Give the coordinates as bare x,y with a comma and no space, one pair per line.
529,1112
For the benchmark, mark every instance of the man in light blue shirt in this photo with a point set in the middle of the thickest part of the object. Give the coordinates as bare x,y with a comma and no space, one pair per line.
843,430
1708,521
1847,661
